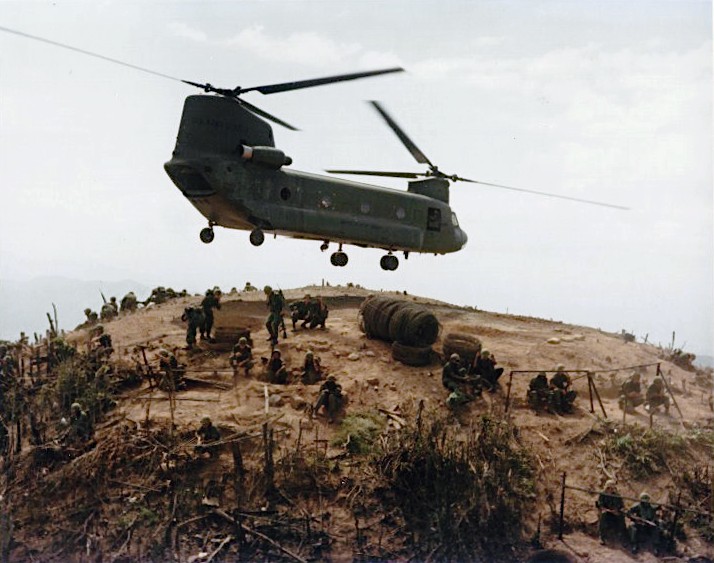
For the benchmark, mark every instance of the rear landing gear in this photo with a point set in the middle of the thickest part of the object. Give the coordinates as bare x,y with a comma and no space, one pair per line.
389,262
257,237
207,235
338,258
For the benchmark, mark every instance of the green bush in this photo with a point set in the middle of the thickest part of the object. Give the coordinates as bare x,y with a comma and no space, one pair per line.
359,431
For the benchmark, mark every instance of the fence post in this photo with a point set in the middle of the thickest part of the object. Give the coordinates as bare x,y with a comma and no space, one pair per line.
508,393
562,507
666,384
597,394
590,392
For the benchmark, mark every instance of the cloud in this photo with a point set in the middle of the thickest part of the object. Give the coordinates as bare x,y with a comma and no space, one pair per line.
181,29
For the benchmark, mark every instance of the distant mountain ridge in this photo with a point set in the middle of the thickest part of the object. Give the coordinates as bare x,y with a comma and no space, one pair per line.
24,304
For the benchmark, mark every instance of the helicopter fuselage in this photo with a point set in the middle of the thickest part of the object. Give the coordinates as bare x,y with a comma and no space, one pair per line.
226,165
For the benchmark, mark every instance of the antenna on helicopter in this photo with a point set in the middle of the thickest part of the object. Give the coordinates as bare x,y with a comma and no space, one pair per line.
233,93
434,172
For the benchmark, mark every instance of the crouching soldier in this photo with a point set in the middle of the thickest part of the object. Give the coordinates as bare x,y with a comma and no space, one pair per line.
454,378
656,397
631,393
195,319
299,311
275,370
242,357
562,396
208,436
171,372
331,398
645,524
80,425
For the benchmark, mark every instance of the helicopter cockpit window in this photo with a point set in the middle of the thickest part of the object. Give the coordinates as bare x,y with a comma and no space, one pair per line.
364,208
433,219
325,202
454,220
285,194
401,213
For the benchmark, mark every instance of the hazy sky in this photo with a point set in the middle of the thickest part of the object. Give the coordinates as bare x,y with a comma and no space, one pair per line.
603,100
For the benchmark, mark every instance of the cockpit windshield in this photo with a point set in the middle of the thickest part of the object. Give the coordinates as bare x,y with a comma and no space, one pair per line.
454,220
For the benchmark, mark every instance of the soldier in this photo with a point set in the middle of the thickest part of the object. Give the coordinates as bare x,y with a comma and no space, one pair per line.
331,398
80,426
242,355
645,524
275,370
611,523
92,317
561,396
114,305
128,303
312,370
299,311
107,312
210,301
275,303
484,367
207,436
194,317
656,396
631,393
317,313
171,371
539,392
454,378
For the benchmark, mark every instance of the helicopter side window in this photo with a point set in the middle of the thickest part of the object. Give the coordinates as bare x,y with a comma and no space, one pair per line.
433,219
325,202
401,213
364,208
285,194
454,220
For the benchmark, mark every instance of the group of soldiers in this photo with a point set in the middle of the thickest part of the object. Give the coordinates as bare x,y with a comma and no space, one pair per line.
646,526
129,303
555,396
466,382
312,312
200,319
631,395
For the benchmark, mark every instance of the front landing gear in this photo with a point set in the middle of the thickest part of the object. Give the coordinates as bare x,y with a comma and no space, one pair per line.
207,235
389,262
338,259
257,237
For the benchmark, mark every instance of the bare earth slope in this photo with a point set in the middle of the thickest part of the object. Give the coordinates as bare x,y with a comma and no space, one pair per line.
372,379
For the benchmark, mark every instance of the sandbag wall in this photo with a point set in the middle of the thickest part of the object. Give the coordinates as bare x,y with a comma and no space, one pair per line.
412,328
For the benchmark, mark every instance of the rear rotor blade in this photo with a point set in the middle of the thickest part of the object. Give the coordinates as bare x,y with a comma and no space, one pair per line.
265,114
286,86
376,173
411,147
457,178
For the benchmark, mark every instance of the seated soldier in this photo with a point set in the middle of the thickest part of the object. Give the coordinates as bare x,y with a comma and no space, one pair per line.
485,368
455,379
242,357
311,370
656,396
275,370
107,312
631,393
207,435
128,302
92,317
561,396
645,524
300,311
330,397
611,524
539,392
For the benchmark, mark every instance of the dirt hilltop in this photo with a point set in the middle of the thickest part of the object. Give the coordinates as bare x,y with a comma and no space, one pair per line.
132,505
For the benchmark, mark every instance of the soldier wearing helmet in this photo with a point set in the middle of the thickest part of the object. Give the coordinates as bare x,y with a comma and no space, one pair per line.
275,303
611,524
562,396
484,367
331,398
631,393
242,357
80,426
311,370
645,524
207,435
455,379
210,301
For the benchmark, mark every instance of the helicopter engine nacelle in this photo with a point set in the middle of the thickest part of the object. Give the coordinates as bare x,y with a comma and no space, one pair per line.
267,156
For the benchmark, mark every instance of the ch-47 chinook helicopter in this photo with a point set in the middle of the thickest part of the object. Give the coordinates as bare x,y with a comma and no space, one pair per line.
226,164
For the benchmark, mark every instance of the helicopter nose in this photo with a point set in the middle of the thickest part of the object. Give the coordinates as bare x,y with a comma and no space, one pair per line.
464,239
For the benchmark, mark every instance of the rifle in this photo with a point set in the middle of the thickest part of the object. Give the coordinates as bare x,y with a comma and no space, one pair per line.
282,320
103,298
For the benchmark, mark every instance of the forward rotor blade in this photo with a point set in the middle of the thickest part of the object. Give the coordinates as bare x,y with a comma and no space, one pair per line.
265,114
541,193
286,86
89,53
411,147
376,173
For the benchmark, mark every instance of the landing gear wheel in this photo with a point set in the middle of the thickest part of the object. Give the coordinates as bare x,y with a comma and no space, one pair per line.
257,237
338,259
207,235
389,262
